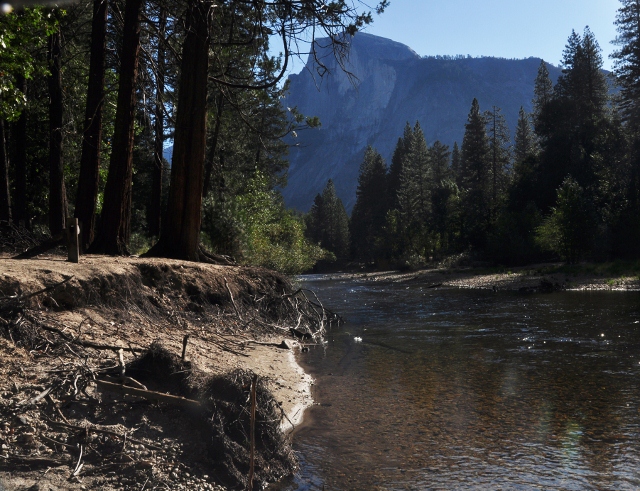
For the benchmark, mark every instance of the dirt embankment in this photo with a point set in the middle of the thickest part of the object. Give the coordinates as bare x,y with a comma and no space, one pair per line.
87,351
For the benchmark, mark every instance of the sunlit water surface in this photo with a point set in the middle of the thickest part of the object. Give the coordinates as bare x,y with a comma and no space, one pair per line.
463,389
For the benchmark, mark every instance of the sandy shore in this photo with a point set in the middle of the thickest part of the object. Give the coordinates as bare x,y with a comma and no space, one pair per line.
291,385
540,277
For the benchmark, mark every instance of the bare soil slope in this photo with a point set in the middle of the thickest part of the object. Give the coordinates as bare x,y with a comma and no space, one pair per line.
67,331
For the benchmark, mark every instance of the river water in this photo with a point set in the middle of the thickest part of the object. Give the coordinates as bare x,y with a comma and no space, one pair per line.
470,389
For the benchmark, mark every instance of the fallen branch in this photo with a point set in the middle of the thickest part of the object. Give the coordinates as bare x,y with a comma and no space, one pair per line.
147,394
235,307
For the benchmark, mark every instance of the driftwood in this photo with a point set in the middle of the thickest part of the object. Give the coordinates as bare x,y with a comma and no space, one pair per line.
150,395
235,307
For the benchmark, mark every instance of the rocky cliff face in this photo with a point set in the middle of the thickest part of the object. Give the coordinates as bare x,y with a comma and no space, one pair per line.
392,85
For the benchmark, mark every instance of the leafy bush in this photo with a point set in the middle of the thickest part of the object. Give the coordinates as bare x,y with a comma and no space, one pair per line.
257,229
568,230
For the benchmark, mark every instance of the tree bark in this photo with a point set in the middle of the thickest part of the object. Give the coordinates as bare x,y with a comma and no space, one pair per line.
88,179
155,209
115,224
20,214
57,192
5,197
180,236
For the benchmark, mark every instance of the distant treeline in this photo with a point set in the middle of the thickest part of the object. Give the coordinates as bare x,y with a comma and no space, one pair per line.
567,186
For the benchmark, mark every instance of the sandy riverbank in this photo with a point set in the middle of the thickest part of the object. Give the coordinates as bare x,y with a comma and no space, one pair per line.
538,277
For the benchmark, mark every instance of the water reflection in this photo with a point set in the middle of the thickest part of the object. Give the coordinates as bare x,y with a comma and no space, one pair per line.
454,389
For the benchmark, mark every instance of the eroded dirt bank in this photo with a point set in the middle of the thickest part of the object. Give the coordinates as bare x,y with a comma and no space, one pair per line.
85,348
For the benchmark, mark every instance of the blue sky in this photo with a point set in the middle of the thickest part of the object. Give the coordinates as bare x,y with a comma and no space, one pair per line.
503,28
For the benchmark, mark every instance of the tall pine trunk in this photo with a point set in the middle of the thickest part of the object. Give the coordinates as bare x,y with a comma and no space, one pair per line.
180,236
5,197
57,192
155,209
115,224
90,159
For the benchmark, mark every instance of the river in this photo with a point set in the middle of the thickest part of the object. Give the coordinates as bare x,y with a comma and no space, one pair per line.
449,389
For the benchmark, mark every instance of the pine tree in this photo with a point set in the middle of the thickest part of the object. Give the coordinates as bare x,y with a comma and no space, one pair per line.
476,178
369,212
583,82
414,195
443,189
499,157
313,220
398,161
328,223
525,143
627,59
575,128
88,179
542,90
627,69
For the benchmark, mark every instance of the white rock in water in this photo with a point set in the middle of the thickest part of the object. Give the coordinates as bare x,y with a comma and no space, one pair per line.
357,339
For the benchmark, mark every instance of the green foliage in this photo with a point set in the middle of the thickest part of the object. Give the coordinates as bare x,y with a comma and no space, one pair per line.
22,35
256,228
568,230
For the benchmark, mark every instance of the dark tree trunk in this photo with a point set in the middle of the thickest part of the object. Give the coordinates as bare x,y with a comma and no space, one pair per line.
5,197
180,237
57,193
155,209
20,215
92,137
115,224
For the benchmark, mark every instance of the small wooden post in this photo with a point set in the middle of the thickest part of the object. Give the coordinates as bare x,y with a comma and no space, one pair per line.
185,340
73,248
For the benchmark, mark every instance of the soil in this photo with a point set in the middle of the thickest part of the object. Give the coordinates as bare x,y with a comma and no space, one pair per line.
62,325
